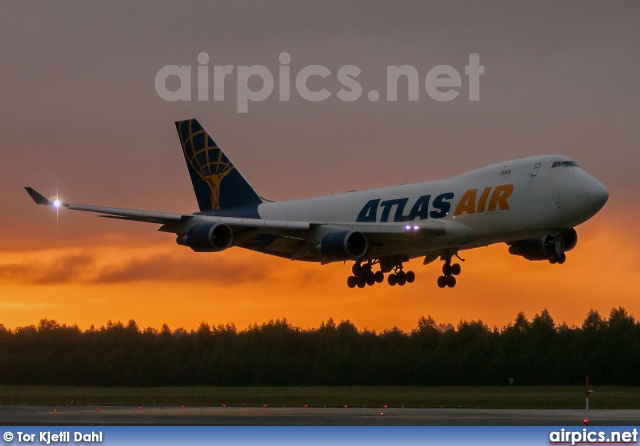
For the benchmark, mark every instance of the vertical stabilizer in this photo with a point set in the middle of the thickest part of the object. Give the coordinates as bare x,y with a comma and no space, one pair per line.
218,185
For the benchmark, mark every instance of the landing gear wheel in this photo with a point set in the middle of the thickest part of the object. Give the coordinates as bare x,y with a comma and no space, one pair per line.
559,247
552,260
392,279
402,278
411,276
562,258
451,281
371,278
361,284
379,277
355,269
449,270
352,281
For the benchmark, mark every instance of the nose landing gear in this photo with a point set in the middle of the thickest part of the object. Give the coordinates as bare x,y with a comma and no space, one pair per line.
559,259
556,246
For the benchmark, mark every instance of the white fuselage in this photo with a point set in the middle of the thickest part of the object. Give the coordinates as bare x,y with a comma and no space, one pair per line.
536,200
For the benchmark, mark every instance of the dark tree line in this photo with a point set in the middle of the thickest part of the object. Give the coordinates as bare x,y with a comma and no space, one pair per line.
276,353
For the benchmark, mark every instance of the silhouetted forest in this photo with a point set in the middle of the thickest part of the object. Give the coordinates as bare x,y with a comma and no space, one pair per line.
533,351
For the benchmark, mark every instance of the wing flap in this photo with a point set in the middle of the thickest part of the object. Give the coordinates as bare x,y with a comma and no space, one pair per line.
431,228
256,223
129,214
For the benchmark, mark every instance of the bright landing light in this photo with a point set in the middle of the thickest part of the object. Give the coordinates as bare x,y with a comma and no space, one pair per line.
56,203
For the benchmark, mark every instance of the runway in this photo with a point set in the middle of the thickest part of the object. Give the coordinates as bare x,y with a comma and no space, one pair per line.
298,416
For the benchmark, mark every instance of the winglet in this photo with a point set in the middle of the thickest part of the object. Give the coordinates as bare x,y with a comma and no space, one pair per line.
37,196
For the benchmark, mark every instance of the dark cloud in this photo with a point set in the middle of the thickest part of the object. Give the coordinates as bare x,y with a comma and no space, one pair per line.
157,267
197,267
313,277
61,269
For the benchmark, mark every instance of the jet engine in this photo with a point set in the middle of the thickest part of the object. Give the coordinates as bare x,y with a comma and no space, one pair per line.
549,247
343,245
207,237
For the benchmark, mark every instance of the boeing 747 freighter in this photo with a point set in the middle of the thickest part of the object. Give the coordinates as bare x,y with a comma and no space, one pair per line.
531,204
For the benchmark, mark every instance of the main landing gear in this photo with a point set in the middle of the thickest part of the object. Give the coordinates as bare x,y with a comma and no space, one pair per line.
399,277
363,276
449,272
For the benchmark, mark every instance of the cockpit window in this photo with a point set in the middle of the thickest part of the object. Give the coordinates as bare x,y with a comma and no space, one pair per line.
564,164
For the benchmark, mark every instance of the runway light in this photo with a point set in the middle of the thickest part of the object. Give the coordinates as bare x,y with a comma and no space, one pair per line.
345,406
98,409
139,407
306,405
224,405
182,407
416,227
408,227
55,410
264,405
385,406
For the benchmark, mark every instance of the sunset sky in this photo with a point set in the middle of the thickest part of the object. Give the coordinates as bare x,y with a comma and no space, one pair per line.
81,118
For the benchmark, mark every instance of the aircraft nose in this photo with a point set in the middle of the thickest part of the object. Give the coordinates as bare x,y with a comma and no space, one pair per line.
599,194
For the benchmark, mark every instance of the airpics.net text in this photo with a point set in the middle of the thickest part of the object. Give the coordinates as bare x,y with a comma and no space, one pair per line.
442,82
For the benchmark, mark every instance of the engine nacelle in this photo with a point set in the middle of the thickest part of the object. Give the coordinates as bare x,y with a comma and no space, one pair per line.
343,245
207,237
542,248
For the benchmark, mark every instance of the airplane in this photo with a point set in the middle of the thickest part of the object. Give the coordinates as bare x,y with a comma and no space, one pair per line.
532,204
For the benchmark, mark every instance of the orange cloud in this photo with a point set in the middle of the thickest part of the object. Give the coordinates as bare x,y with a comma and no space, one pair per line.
166,283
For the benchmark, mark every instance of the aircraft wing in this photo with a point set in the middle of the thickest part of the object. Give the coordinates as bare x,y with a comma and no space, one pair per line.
118,213
170,219
290,239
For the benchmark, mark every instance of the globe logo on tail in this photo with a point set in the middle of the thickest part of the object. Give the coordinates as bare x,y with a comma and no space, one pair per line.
207,161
